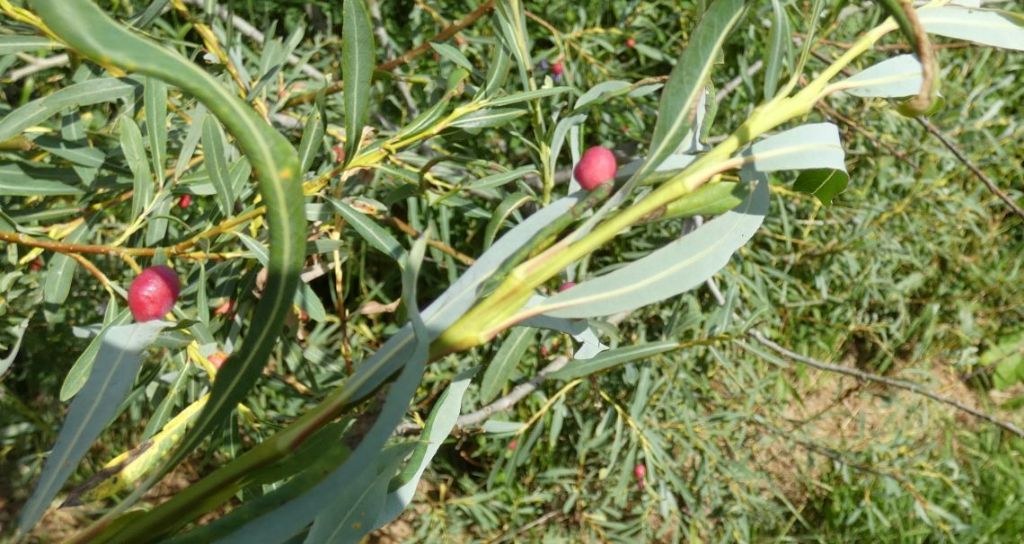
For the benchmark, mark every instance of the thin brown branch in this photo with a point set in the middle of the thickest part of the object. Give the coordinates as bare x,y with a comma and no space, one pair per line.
99,249
891,382
436,244
390,65
959,154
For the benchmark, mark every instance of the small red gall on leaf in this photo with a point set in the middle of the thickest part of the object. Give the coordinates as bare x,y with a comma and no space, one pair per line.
640,471
597,166
544,352
37,264
339,153
557,68
631,42
567,285
225,309
153,293
217,359
513,445
184,201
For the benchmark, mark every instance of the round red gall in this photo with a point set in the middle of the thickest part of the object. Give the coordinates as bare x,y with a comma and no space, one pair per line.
566,285
597,166
37,264
339,153
512,445
153,293
640,471
631,42
557,68
224,309
217,359
184,201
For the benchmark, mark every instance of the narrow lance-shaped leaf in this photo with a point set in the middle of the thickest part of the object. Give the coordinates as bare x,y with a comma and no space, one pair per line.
671,270
312,140
439,425
86,93
369,230
895,77
79,373
135,155
12,353
685,85
19,179
500,369
779,41
92,410
814,149
94,34
501,213
155,98
60,271
357,52
330,500
18,44
217,164
984,26
611,359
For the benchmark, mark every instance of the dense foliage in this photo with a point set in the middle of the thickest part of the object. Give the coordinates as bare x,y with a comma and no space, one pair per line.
779,397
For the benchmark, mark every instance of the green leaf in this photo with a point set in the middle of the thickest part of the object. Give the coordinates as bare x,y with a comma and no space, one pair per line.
497,180
93,91
987,27
369,230
780,43
497,72
188,147
216,162
814,145
439,425
79,373
60,271
898,76
138,163
488,117
512,25
500,370
78,153
508,205
686,83
312,140
357,52
823,183
673,269
710,199
155,99
343,491
452,54
316,457
8,360
20,179
524,96
601,92
612,358
813,148
18,44
92,410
